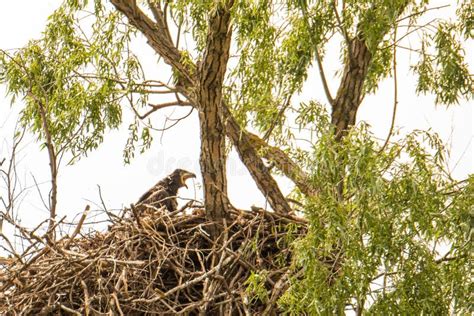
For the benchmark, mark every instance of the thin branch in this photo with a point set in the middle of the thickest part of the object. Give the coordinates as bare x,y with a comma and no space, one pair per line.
395,43
278,118
422,12
156,107
343,30
102,198
52,153
446,259
178,32
318,56
176,121
78,226
159,16
52,163
395,91
37,186
323,78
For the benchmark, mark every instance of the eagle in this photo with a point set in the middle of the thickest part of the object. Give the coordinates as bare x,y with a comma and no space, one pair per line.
164,192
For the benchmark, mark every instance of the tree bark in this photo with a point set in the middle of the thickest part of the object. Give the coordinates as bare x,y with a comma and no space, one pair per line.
349,94
284,163
209,97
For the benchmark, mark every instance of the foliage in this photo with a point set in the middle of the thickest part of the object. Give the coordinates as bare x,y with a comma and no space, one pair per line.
445,73
278,47
401,232
256,286
465,13
79,79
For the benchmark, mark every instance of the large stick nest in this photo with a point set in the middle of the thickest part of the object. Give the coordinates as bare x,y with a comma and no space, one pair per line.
160,263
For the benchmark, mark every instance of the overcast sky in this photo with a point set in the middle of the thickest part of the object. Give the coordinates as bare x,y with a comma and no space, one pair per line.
121,184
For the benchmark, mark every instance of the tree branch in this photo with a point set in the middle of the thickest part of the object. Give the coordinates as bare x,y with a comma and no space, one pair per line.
156,34
395,91
158,14
284,163
350,92
156,107
422,12
249,156
53,167
351,88
323,78
342,29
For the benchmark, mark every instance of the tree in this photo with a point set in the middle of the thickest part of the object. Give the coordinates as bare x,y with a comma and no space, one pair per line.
347,184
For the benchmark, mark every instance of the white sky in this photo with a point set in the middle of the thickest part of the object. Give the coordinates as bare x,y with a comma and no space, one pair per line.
121,184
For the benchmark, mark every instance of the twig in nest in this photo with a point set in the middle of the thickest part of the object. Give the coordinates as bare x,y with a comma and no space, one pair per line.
78,226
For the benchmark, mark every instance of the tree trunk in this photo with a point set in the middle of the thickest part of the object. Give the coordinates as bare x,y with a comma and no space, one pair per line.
349,95
211,74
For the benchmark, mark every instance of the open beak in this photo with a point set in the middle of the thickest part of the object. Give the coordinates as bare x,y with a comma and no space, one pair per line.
186,176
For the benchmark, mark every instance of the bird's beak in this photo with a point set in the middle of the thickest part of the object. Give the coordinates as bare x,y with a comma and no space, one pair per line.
186,176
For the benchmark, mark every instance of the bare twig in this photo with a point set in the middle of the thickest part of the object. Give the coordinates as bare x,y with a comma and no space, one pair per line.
78,226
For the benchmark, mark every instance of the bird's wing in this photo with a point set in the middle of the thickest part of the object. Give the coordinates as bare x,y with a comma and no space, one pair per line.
162,197
157,187
146,195
157,195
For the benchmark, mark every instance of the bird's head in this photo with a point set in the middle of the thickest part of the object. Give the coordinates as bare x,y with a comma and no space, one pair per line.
180,176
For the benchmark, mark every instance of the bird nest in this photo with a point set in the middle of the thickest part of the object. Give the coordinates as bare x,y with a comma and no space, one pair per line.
158,263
